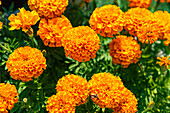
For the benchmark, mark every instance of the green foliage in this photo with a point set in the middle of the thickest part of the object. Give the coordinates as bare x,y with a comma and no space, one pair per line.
146,79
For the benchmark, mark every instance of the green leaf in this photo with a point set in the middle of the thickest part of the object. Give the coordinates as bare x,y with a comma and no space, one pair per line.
146,55
11,6
100,3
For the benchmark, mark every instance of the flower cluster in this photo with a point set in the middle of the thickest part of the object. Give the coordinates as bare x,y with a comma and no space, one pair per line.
107,20
24,19
25,63
164,61
81,43
163,1
140,3
141,22
124,50
111,93
76,85
8,97
51,31
48,8
164,19
1,25
62,102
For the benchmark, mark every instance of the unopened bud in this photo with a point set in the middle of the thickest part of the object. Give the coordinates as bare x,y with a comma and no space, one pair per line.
25,100
151,104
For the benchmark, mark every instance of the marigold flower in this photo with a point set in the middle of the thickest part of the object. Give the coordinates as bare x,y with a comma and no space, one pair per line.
111,93
8,97
124,50
24,19
107,20
62,102
25,63
88,1
1,25
48,8
163,1
81,43
140,3
135,17
164,61
51,31
163,17
76,85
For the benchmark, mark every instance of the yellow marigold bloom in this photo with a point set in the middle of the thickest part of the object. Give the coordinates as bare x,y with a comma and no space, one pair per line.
51,31
62,102
163,17
25,63
48,8
0,3
124,50
76,85
107,20
111,93
164,61
8,97
81,43
163,1
1,25
140,3
135,17
24,19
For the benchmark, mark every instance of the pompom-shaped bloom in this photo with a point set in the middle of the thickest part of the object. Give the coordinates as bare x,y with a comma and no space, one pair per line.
76,85
107,20
51,31
8,97
164,19
163,1
164,61
24,19
81,43
25,63
62,102
135,17
1,25
140,3
124,50
48,8
111,93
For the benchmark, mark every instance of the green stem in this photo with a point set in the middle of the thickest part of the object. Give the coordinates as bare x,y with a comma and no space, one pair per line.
157,4
32,41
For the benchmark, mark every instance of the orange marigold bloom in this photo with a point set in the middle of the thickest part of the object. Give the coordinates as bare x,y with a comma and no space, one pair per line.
140,3
124,50
81,43
8,97
76,85
163,17
1,25
62,102
51,31
48,8
164,61
24,19
25,63
88,1
163,1
111,93
107,20
135,17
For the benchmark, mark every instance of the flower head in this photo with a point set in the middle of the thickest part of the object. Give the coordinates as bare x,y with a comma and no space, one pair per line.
51,31
48,8
24,19
107,20
140,3
1,25
163,1
111,93
135,17
163,17
25,63
8,97
124,50
88,1
62,102
76,85
81,43
164,61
